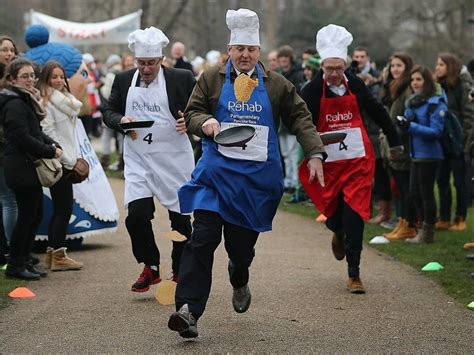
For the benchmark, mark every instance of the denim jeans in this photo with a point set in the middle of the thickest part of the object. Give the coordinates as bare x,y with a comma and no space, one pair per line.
8,205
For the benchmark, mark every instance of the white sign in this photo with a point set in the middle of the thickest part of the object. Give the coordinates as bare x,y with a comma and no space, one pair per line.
75,33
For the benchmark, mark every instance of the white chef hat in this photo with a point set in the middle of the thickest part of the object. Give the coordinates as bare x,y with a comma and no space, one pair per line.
332,42
147,43
212,57
243,25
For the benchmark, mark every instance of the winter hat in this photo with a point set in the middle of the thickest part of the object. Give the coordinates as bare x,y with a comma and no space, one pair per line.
313,63
37,36
147,43
244,27
212,57
332,42
112,60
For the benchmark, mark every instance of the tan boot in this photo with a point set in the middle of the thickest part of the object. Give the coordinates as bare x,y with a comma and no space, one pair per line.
401,222
61,262
442,225
47,259
354,285
405,232
384,213
459,224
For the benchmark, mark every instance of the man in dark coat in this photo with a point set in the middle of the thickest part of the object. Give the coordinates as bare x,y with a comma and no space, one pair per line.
158,159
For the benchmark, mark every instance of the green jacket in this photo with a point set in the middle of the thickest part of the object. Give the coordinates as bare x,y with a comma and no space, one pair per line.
460,104
286,104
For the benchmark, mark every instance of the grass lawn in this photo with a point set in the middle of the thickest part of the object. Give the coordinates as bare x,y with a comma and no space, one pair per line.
448,250
6,286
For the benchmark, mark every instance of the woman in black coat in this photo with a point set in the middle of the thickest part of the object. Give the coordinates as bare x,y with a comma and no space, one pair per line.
20,115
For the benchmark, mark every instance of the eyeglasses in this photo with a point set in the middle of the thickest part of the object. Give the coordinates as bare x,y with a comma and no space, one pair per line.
330,70
27,76
148,63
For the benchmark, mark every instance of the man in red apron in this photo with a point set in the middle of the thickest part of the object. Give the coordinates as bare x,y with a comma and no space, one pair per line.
235,191
335,99
158,159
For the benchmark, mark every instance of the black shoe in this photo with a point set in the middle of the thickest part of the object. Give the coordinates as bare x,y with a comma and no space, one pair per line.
33,260
337,245
3,259
147,278
241,299
36,270
19,272
184,323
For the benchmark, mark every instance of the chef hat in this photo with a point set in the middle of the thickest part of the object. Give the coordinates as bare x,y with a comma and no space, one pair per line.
243,25
212,57
147,43
332,42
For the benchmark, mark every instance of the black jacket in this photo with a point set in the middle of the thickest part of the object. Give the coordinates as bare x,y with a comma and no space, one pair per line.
24,139
179,85
182,64
374,110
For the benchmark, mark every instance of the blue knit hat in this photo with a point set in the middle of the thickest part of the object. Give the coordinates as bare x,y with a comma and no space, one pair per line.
37,36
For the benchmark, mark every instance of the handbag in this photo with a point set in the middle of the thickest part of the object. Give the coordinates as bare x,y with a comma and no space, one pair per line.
79,172
49,171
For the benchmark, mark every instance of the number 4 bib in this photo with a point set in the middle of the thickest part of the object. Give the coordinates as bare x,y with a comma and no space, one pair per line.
351,147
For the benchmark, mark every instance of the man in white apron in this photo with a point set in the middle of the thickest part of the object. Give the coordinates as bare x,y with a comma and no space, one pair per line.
158,159
236,191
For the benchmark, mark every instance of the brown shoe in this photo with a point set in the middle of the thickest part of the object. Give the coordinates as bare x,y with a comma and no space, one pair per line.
459,224
354,285
337,244
405,232
48,258
469,246
61,262
442,225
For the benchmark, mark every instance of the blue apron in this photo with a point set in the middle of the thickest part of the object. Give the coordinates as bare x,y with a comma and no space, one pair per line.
244,186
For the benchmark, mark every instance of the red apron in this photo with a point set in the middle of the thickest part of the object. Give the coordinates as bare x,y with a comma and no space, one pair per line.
350,165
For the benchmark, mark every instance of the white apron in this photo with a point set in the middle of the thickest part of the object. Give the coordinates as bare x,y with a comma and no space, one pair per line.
160,159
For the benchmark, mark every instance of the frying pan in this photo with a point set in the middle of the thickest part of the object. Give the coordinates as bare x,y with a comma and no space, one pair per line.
136,124
236,136
332,137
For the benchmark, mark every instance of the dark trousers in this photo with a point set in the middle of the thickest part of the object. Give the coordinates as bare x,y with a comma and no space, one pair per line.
30,212
138,223
381,189
422,180
458,167
62,197
407,206
195,277
346,220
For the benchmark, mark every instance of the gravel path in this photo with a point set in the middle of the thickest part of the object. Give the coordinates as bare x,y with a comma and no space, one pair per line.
299,303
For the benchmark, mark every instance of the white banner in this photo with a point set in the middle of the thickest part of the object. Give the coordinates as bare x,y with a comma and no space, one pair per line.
108,32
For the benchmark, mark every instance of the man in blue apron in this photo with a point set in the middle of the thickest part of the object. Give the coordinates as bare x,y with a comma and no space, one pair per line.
158,159
235,190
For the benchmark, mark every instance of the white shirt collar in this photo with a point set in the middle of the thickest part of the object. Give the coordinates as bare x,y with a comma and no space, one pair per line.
239,72
338,90
154,83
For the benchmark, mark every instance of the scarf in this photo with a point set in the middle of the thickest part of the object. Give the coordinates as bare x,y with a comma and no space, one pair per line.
35,97
65,102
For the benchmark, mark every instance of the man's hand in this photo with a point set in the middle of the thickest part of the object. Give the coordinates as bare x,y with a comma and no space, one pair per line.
180,124
211,127
315,166
126,119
